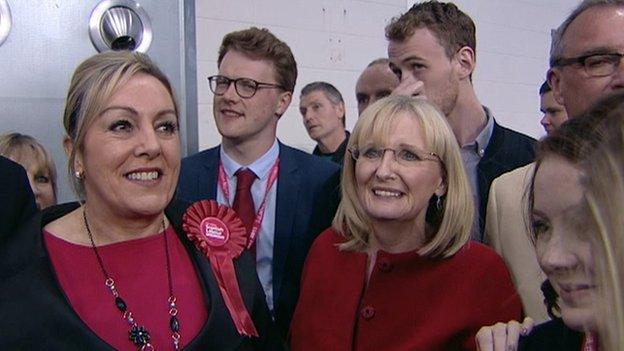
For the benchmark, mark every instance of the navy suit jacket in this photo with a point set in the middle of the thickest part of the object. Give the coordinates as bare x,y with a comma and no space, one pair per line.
307,198
17,202
506,151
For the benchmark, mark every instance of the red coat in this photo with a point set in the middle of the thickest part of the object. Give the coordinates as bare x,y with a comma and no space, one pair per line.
411,302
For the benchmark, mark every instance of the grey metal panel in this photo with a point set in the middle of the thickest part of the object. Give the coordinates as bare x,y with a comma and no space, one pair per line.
47,41
190,76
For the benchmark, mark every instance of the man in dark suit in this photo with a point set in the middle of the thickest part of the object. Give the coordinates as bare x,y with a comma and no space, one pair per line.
17,200
294,194
432,50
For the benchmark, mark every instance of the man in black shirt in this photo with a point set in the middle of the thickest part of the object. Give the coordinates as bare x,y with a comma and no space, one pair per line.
323,111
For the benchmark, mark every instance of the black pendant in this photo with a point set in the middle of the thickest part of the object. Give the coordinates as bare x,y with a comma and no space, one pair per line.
121,304
139,335
174,324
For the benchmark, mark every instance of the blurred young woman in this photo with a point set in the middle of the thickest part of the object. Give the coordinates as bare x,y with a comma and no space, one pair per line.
396,270
562,227
117,271
604,184
37,162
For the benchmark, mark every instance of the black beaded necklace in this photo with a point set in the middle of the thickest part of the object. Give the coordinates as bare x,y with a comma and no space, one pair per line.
138,334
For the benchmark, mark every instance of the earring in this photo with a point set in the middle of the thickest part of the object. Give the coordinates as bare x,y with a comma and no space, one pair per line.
439,203
79,175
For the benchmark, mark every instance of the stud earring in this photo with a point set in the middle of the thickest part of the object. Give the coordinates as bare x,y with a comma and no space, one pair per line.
79,175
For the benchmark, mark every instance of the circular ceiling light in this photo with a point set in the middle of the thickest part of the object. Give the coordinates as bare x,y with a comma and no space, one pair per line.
5,20
120,25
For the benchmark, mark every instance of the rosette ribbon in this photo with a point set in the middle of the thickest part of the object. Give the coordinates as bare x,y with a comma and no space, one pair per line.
219,233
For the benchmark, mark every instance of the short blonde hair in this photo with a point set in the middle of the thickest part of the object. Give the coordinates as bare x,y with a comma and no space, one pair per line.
449,228
19,147
93,83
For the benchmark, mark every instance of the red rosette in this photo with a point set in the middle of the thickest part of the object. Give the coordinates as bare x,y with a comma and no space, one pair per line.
219,233
214,228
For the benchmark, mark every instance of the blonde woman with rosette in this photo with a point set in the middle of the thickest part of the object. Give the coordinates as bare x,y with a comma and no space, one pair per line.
396,271
116,271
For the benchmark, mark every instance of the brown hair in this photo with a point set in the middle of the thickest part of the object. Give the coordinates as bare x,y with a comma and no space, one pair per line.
260,43
453,28
604,184
572,142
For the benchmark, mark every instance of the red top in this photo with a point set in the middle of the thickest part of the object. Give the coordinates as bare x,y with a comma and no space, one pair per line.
139,269
411,302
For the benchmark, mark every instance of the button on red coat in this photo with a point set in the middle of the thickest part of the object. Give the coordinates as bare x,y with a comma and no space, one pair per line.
385,266
367,312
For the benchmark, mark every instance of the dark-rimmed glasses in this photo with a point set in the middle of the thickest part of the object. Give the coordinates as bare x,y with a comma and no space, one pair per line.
594,65
245,87
404,157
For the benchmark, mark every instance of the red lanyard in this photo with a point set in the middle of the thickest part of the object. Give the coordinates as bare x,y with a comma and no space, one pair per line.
589,342
223,183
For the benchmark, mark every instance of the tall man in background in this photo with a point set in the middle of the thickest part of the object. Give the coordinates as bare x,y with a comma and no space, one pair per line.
293,194
432,50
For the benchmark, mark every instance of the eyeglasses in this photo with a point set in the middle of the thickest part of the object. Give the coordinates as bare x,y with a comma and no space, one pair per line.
594,65
245,87
404,157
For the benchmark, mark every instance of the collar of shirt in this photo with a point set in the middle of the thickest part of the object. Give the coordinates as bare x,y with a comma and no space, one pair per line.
261,167
480,144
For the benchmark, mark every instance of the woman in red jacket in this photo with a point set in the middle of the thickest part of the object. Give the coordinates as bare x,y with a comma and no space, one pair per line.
397,271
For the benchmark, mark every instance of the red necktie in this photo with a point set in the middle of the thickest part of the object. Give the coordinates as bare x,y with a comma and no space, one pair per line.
243,201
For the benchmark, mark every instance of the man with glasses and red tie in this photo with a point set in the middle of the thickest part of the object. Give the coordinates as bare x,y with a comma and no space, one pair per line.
284,196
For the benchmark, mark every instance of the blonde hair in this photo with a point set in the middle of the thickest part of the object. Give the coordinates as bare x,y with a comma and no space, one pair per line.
604,183
449,228
93,83
19,147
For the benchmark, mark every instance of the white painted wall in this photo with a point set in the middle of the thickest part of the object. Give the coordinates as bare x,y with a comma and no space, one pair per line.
333,40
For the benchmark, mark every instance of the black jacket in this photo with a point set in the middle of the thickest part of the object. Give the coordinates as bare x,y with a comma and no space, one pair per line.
337,156
506,151
552,336
17,202
35,314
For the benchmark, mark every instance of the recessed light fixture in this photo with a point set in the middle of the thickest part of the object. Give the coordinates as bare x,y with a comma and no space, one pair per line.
120,25
5,20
